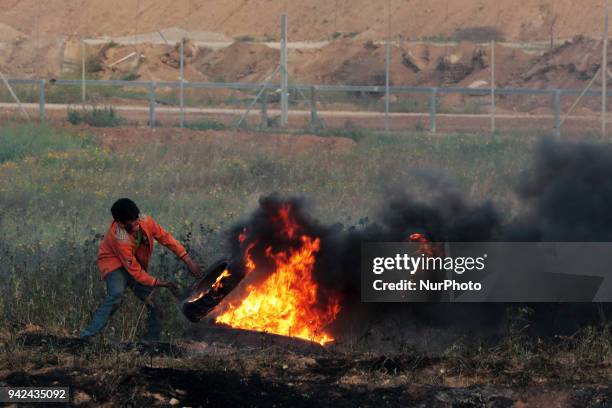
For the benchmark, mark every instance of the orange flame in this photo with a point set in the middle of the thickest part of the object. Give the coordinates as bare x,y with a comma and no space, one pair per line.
286,301
219,281
289,226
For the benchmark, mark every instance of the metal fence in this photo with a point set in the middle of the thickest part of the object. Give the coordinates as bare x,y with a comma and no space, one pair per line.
311,95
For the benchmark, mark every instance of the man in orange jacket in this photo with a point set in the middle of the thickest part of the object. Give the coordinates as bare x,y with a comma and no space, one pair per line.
123,260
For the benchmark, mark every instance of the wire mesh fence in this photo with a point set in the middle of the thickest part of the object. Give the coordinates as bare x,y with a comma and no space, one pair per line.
397,69
207,105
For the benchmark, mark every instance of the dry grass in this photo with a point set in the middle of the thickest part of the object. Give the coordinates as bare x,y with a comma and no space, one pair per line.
237,376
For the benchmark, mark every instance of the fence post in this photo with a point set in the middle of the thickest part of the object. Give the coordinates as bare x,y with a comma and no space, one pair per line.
557,109
264,110
182,85
41,99
314,119
284,122
83,71
387,83
433,107
152,86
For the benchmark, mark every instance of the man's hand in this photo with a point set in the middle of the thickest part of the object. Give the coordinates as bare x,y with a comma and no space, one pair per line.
173,287
194,269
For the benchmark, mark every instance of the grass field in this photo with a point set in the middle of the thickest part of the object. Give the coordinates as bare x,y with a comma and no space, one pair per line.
57,184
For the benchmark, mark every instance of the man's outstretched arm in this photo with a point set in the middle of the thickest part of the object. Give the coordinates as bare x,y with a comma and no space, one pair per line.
166,239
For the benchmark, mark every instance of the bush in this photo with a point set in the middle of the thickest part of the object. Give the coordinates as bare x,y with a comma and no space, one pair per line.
94,116
479,34
439,38
244,38
206,125
350,132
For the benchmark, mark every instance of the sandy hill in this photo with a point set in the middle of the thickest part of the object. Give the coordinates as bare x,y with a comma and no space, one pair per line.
519,20
40,39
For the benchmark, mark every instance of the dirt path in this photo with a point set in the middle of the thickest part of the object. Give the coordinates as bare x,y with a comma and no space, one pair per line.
446,122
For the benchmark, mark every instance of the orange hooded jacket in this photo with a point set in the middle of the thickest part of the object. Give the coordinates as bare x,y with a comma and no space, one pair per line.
118,249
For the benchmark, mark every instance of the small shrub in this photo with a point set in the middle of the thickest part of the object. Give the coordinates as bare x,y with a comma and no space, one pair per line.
244,38
94,116
350,132
130,76
478,34
439,38
206,125
75,117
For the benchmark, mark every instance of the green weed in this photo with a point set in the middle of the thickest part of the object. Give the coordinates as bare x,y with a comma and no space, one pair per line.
205,125
95,116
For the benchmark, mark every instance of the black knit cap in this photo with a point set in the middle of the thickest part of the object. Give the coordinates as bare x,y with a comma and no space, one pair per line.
125,210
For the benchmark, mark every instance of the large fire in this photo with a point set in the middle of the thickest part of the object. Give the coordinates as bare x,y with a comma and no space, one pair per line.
286,301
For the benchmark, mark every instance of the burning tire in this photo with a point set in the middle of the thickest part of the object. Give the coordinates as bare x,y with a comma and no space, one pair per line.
205,294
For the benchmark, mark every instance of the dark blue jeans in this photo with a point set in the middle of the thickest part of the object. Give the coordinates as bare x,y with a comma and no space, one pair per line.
116,284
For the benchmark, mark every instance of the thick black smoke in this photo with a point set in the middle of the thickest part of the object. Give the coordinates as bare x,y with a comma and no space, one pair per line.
566,196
